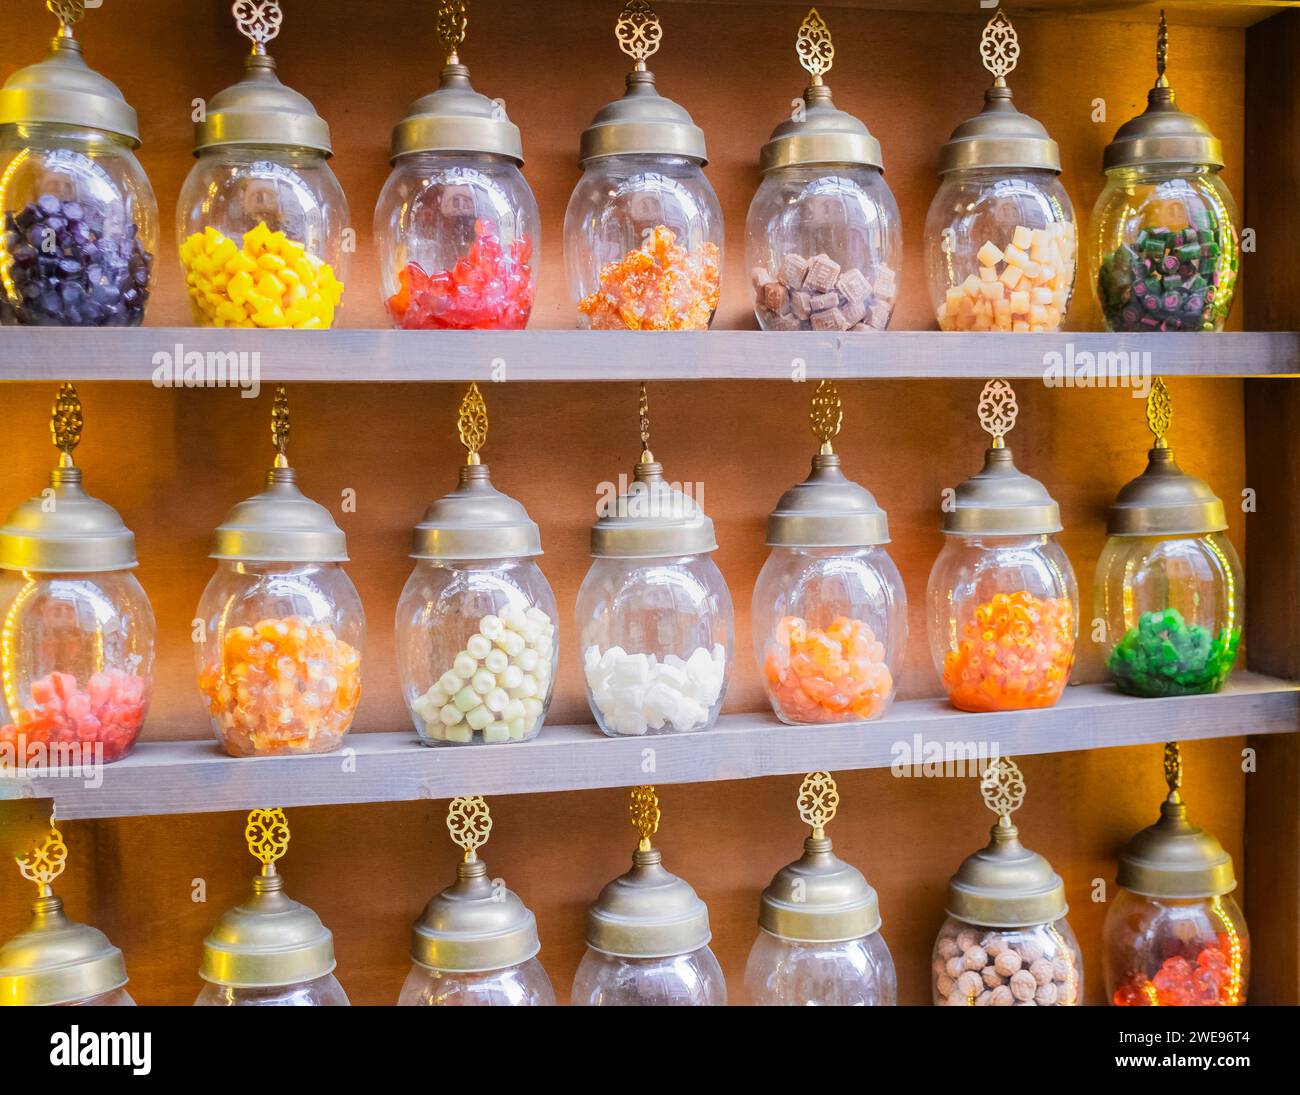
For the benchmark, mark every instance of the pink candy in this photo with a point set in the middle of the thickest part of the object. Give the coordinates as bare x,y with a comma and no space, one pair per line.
109,710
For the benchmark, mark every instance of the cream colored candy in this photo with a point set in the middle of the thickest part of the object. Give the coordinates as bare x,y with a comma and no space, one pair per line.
1024,286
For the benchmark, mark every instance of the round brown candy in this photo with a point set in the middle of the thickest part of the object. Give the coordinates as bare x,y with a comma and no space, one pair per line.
1023,985
1030,950
948,947
956,966
945,985
1042,971
967,938
1046,995
1007,963
970,984
994,944
1002,997
991,977
976,958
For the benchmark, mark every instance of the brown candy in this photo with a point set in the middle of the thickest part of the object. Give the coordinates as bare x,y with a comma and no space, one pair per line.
1002,997
1007,963
822,273
793,269
1023,985
774,297
970,984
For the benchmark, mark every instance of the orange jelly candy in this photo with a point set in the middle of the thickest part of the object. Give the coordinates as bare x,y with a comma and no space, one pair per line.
833,675
283,686
1016,651
658,287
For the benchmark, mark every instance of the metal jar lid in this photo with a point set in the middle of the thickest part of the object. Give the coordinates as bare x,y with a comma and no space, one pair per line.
270,940
1005,885
63,530
259,109
1162,134
61,89
642,122
1000,136
1000,499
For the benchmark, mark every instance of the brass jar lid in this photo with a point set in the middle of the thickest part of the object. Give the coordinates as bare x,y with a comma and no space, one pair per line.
61,89
827,509
819,133
1173,858
475,925
1162,134
1000,499
63,530
650,517
269,940
648,912
1164,500
1005,885
1000,136
259,109
55,960
819,898
475,521
642,122
281,524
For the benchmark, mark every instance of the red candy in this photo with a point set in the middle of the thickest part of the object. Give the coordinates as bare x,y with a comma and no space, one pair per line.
110,710
1212,981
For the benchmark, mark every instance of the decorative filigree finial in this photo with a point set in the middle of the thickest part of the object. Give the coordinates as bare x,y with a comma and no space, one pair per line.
638,31
1003,788
643,410
469,821
818,800
267,833
66,422
644,808
1174,770
258,21
827,414
1160,412
1162,51
280,427
44,863
68,13
998,411
453,18
814,46
1000,47
472,423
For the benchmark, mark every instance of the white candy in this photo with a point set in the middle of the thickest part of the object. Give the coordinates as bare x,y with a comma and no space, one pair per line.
450,715
437,695
478,717
518,729
478,647
496,732
532,708
590,658
496,700
483,682
512,643
450,682
461,734
495,661
490,627
538,617
634,693
514,709
465,665
510,677
466,699
527,660
513,617
543,646
527,687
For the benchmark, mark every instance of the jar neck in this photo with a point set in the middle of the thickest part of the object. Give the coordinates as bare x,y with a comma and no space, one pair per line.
272,153
259,569
1037,541
54,135
1152,173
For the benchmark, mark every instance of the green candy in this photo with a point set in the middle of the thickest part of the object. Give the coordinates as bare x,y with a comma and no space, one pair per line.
1164,656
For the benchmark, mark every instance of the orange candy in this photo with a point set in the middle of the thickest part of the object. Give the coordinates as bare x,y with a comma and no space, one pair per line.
836,674
1016,651
658,287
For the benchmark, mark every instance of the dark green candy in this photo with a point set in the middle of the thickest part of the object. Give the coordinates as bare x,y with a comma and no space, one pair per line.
1163,656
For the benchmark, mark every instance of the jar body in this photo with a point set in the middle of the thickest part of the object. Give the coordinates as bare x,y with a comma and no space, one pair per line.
457,234
1171,952
320,992
854,973
682,980
979,966
1000,251
1165,249
524,985
1172,606
79,674
643,244
117,998
656,637
1003,618
477,650
262,238
80,228
824,245
830,629
279,656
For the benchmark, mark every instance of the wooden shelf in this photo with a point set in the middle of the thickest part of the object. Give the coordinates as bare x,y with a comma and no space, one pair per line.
350,354
194,776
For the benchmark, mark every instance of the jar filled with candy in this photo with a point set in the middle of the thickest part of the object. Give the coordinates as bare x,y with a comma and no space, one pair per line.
643,230
270,951
648,934
819,937
1169,584
1000,241
654,613
279,648
456,224
1002,599
76,652
1165,242
476,623
1006,941
78,218
1174,936
822,241
261,218
475,944
829,611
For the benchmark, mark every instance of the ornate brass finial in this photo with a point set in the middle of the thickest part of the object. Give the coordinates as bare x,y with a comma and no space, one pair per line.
472,423
1160,412
998,411
258,21
643,410
44,863
1162,51
453,18
469,821
818,800
814,46
1174,770
1003,788
638,31
66,422
1000,47
267,833
827,414
644,808
68,13
280,427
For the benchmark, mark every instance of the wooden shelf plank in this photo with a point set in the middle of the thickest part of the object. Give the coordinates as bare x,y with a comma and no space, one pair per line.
195,777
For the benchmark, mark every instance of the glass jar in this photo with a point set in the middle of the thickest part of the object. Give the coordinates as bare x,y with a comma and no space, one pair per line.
978,966
524,985
318,992
853,973
679,980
